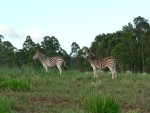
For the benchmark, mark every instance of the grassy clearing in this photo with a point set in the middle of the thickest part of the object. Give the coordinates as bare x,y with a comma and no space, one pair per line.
52,93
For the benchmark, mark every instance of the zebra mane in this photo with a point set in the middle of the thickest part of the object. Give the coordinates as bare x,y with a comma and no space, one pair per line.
41,56
91,55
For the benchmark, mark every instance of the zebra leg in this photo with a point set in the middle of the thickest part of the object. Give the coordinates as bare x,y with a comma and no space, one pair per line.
59,68
112,72
115,70
45,66
94,71
115,74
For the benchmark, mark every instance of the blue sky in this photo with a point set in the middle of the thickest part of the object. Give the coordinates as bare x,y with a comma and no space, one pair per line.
68,20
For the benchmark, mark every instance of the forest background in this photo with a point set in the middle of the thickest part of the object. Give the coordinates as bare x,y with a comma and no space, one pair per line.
129,46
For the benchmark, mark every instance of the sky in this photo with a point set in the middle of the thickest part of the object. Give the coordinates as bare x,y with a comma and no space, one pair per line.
69,21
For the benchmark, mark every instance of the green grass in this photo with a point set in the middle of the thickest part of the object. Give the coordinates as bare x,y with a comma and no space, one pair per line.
95,103
5,105
50,92
13,84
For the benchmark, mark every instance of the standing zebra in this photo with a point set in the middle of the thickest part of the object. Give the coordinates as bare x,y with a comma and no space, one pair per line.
98,63
49,61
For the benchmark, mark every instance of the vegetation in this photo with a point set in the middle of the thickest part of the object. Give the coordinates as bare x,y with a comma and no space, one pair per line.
50,92
25,87
13,84
96,104
5,105
133,37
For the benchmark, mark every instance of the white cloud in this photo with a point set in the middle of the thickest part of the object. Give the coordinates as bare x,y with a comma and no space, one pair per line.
8,31
35,35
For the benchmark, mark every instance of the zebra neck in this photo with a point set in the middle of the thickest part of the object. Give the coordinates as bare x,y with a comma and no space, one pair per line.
42,58
92,59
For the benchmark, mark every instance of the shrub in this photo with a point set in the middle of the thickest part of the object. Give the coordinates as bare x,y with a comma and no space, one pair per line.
96,104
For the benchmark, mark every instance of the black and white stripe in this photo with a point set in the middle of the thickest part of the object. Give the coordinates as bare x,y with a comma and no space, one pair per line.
49,61
98,63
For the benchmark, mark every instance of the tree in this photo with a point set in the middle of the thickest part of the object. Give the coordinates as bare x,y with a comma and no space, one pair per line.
28,50
82,62
74,49
1,36
28,44
21,57
141,26
1,44
105,43
65,56
97,46
62,52
7,56
50,45
145,40
129,40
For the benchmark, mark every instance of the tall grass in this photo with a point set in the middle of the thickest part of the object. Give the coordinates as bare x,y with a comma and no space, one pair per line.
95,103
13,84
5,105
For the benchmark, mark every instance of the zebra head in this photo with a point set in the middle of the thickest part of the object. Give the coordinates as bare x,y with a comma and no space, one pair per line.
36,55
89,55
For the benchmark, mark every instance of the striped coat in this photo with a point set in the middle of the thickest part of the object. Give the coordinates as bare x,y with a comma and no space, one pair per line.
50,61
98,63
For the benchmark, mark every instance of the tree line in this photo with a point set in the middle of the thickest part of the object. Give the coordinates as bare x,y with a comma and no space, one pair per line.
129,46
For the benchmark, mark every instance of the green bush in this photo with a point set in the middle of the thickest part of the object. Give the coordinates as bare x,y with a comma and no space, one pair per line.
96,104
5,105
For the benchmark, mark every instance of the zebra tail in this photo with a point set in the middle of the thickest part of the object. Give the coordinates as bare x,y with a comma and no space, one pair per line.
64,64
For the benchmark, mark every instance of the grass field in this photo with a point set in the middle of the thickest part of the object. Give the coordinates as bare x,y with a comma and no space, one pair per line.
31,90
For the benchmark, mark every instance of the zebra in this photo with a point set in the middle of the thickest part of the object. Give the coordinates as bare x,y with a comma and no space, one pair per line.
49,61
98,63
